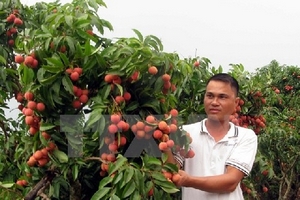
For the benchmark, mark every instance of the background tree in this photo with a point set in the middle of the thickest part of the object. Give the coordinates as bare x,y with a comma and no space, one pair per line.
277,167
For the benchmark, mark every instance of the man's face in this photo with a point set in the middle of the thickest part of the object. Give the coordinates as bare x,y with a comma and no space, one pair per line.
220,100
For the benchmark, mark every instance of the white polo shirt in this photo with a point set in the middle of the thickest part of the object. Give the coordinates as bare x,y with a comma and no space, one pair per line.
237,148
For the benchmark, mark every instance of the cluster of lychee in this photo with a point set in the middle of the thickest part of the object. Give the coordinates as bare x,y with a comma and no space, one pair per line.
117,124
41,157
81,94
14,21
81,97
114,79
29,110
29,60
257,123
113,141
158,129
163,131
74,73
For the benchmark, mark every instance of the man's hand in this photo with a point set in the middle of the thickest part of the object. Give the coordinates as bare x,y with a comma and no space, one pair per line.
223,183
180,178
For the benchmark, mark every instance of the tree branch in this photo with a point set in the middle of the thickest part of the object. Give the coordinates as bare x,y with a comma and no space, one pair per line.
95,158
40,186
290,180
41,192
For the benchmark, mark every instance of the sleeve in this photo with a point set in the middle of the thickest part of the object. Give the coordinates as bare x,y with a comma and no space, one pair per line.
243,154
179,159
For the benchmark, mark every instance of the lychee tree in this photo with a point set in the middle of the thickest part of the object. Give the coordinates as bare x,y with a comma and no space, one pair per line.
277,169
83,98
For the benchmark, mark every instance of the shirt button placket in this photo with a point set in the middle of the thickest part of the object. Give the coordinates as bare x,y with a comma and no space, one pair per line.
213,157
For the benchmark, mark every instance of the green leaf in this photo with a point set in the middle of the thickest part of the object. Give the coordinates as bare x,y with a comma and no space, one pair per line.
132,106
75,140
71,43
68,85
114,197
56,189
61,156
64,59
98,23
28,75
158,176
117,178
135,196
46,126
3,74
2,59
79,52
154,104
93,4
158,85
169,190
108,51
82,16
153,161
45,29
117,164
136,165
105,91
164,157
82,23
139,177
140,36
167,186
158,42
87,48
41,73
56,62
120,89
49,18
128,174
69,20
6,185
95,116
49,80
101,193
170,167
96,50
45,35
149,185
52,68
125,63
151,43
75,171
106,180
129,189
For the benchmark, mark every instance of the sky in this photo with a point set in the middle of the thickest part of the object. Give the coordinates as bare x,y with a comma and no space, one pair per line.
251,33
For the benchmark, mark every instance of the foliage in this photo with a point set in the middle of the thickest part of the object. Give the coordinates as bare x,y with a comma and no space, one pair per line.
277,167
67,100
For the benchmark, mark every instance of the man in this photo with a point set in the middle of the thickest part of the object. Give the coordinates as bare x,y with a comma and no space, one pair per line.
224,153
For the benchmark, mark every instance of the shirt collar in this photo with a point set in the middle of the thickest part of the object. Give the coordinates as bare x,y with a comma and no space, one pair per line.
232,133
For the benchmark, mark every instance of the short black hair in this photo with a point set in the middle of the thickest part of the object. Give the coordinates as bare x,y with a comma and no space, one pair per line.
224,77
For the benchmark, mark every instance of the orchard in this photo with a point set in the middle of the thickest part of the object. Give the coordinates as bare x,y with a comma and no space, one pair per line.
96,114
